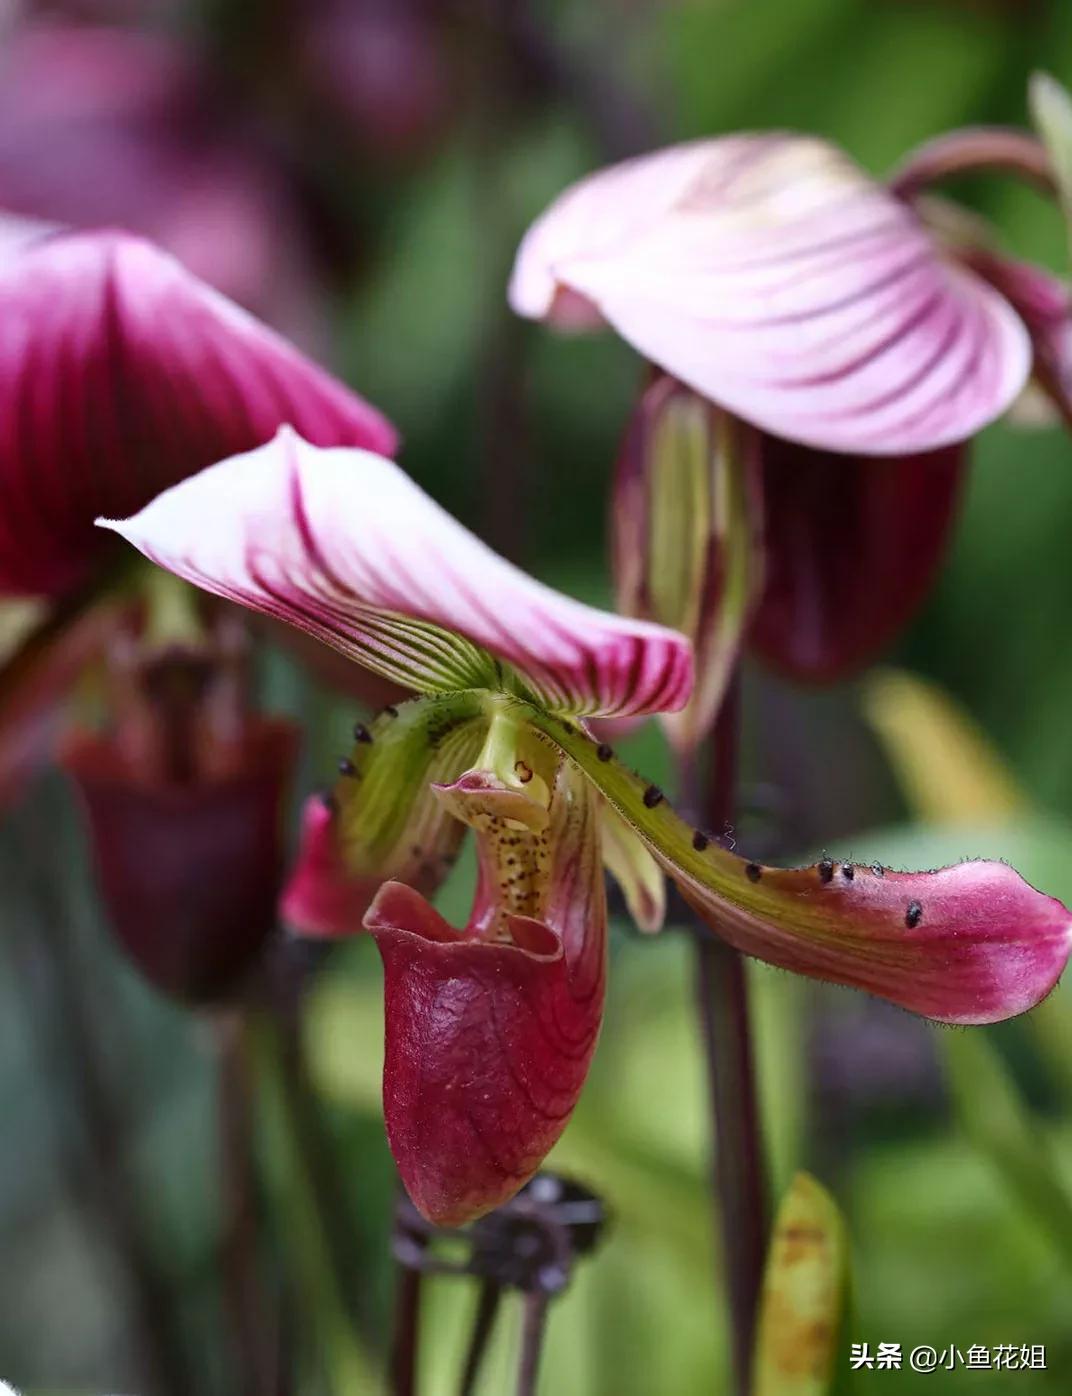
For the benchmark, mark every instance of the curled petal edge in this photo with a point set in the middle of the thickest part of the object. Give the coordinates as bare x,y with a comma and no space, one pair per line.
969,944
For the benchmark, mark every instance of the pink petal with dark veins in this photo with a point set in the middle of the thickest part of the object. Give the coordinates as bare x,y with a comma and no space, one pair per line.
344,545
120,374
775,278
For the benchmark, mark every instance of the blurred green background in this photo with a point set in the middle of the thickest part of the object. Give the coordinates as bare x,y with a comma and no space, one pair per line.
950,1153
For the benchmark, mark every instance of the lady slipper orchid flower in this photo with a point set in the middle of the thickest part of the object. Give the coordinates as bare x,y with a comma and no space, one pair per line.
184,798
861,349
123,373
490,1029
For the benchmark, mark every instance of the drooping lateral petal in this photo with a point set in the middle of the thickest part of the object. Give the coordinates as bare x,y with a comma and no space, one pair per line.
774,277
686,529
322,896
973,943
853,547
382,821
121,374
489,1040
345,546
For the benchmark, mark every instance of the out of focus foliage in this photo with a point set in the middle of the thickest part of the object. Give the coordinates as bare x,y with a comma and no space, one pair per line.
954,1172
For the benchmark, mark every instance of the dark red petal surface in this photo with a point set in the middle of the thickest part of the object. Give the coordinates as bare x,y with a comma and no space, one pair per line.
853,546
487,1042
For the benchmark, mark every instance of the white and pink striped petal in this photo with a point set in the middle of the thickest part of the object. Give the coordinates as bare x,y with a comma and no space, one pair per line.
774,277
120,373
343,544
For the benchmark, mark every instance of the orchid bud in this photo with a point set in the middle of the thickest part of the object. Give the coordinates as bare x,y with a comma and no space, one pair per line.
686,535
184,798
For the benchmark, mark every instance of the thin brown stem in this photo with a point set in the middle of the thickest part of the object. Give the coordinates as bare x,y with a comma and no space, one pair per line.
738,1171
533,1329
404,1352
75,1043
487,1310
253,1317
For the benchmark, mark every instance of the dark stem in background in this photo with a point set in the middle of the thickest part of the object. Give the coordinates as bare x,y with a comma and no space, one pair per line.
738,1172
291,974
496,95
487,1310
533,1328
75,1044
404,1341
254,1319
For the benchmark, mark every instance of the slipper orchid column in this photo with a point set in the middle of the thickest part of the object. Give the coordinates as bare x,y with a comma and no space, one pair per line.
855,351
490,1028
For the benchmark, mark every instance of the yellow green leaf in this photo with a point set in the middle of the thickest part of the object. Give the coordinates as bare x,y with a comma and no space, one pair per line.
945,764
802,1303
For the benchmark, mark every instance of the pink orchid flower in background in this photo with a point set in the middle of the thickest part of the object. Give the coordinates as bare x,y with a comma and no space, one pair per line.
116,127
120,373
490,1029
853,348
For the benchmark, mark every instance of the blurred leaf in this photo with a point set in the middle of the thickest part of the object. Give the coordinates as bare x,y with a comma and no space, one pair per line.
953,67
412,331
803,1301
778,1007
945,764
1051,112
343,1026
946,1257
990,632
732,59
992,1114
327,1328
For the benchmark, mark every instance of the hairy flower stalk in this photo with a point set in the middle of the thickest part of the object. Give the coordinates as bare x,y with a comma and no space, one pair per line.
490,1027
